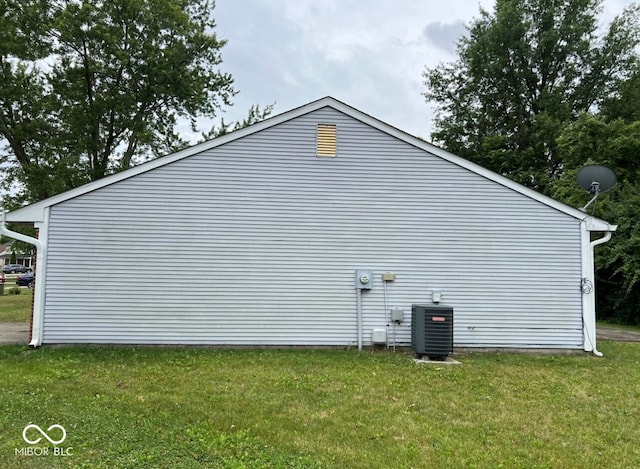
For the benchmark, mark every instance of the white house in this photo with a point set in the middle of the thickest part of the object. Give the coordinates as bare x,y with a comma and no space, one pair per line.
271,223
7,251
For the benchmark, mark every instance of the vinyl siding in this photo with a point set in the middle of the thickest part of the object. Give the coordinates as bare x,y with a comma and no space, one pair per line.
255,242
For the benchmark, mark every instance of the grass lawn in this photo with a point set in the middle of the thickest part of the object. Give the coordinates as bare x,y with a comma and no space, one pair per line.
15,308
190,407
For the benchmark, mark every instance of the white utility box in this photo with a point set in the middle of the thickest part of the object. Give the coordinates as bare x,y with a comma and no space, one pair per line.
379,336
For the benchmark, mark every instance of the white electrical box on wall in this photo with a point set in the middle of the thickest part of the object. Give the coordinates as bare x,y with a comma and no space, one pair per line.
379,336
397,315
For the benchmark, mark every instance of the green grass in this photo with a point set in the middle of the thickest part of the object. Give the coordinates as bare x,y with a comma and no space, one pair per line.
191,407
15,308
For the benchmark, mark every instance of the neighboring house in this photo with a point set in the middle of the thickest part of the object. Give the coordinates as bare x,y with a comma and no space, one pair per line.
273,220
21,258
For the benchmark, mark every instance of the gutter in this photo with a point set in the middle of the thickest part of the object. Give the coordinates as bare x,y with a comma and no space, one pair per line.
38,302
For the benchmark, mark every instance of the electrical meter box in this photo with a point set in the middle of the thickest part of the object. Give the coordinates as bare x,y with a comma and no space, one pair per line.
364,279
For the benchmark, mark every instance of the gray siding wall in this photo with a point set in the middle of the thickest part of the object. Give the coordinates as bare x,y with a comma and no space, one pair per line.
257,241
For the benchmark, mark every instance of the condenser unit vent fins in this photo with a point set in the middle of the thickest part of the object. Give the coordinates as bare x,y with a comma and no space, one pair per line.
326,140
432,330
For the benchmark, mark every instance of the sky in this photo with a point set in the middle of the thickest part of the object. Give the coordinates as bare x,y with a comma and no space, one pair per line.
369,54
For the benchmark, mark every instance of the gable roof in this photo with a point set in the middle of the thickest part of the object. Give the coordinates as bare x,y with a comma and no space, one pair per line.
35,212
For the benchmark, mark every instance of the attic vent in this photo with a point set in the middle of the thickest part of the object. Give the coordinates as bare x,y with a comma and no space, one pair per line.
326,140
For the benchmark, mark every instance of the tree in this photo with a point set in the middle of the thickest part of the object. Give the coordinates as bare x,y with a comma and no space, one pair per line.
523,71
88,88
616,144
625,101
255,114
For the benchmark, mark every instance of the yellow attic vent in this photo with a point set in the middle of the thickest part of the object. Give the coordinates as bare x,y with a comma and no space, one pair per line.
326,140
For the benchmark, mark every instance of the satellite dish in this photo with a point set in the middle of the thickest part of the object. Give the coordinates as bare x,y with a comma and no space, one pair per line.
595,179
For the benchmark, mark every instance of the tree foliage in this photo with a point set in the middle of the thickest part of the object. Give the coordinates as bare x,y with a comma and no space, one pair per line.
524,70
255,114
88,88
535,95
616,144
624,103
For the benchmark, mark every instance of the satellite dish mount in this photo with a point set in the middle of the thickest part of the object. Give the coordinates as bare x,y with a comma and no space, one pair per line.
595,188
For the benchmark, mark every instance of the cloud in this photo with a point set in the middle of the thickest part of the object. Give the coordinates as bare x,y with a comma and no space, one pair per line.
445,36
370,55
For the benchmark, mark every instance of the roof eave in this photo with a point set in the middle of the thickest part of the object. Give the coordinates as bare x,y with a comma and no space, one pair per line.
464,163
35,212
595,224
30,214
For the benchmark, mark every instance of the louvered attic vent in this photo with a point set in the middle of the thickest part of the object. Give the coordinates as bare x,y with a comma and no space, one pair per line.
326,140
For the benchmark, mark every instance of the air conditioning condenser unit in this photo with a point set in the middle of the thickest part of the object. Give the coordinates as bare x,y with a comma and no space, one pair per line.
432,330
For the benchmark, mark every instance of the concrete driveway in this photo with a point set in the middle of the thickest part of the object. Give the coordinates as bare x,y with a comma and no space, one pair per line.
14,333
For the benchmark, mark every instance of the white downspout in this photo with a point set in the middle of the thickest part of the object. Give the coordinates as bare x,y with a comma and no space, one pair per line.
588,287
38,301
604,239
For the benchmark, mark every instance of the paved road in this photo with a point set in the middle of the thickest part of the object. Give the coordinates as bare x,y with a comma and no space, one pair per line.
18,333
611,333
